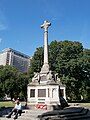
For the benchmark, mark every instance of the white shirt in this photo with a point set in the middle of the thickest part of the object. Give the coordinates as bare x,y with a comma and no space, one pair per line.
18,106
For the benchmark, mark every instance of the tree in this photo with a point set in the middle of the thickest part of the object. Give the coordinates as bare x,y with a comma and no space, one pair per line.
36,62
22,82
9,78
1,82
12,82
54,49
72,62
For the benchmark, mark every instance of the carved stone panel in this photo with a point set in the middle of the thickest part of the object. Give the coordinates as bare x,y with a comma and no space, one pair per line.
41,92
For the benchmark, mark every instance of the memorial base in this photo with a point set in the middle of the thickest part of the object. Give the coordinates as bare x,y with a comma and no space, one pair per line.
44,96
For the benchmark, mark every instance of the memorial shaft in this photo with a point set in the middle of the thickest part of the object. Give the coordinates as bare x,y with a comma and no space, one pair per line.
45,26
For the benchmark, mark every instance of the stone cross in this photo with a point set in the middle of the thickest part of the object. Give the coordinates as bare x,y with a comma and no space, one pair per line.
45,26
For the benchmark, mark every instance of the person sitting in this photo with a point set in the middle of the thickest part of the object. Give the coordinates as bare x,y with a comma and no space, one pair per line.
17,110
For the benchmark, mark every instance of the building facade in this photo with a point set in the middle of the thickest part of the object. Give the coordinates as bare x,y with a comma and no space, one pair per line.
15,58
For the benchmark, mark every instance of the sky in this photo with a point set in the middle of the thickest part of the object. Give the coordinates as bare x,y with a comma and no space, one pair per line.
20,22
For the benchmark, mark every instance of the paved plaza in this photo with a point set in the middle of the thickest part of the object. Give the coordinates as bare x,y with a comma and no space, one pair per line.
28,115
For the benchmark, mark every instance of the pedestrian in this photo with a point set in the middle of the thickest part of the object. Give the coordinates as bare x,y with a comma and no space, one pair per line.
17,110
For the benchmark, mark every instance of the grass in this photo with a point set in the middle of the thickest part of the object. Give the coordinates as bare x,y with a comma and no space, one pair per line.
7,104
80,104
11,104
85,104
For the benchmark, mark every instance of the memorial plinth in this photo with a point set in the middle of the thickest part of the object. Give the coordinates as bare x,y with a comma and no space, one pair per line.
45,87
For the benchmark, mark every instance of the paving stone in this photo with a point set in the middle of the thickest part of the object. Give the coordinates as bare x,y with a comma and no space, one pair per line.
28,115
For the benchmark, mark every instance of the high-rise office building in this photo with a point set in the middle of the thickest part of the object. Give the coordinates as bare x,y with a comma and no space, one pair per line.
15,58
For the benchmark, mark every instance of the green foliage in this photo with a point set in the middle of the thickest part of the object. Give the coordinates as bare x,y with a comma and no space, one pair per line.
12,82
54,49
36,62
22,82
72,62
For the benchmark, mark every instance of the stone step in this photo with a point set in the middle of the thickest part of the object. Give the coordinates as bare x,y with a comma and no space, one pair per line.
85,117
70,110
84,112
67,114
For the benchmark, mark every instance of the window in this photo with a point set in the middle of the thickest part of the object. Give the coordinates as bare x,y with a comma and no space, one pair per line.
8,57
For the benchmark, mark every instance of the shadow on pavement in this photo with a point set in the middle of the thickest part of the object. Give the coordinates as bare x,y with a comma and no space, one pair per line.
5,110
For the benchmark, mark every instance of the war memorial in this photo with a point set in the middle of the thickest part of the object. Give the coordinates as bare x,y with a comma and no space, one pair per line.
45,87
